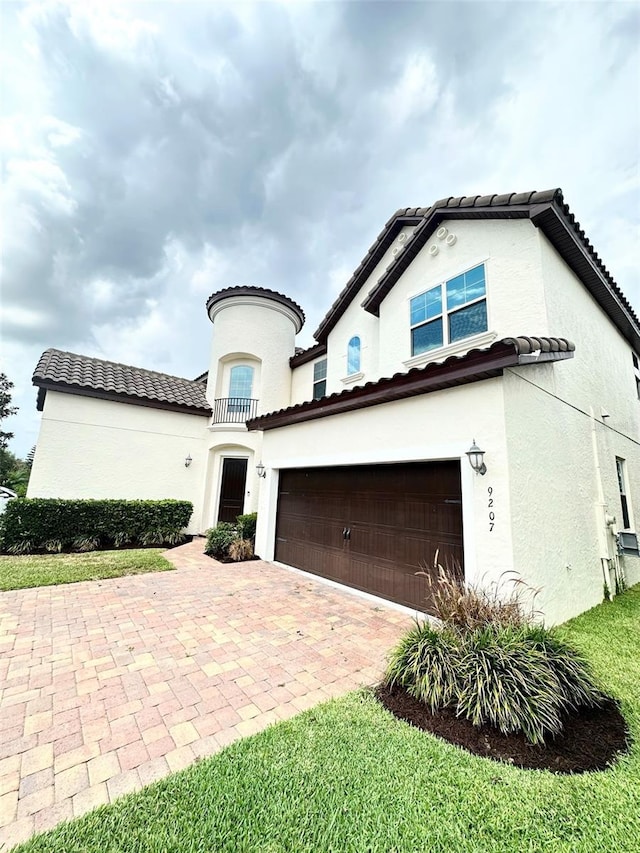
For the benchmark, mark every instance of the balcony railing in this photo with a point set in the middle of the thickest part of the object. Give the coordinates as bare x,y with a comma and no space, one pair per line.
233,410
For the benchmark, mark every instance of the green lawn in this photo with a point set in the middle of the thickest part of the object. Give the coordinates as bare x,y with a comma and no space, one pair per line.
348,777
49,569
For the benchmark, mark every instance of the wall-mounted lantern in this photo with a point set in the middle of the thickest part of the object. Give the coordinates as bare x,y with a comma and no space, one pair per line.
188,460
260,470
476,458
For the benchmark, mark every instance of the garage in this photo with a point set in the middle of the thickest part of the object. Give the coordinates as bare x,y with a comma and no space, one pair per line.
372,527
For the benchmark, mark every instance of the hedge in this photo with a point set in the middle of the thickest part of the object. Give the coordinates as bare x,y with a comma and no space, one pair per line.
53,524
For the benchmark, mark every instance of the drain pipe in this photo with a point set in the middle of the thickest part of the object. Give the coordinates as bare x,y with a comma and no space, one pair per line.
601,513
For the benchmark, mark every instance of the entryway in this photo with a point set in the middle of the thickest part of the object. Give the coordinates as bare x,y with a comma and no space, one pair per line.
232,488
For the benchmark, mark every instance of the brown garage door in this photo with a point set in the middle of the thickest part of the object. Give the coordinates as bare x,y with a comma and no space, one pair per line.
372,527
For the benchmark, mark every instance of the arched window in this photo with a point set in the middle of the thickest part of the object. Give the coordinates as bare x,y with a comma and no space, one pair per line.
353,356
240,387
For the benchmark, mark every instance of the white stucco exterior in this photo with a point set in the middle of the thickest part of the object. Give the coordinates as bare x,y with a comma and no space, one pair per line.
91,448
548,507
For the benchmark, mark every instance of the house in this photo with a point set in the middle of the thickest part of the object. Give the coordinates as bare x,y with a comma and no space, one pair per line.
482,323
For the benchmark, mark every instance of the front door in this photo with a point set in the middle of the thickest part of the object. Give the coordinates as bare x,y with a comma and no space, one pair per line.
234,478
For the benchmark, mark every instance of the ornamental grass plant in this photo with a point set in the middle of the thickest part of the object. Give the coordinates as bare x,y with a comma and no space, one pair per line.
490,660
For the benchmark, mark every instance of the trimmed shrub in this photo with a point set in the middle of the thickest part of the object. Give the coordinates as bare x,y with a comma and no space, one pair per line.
493,665
35,524
425,662
247,525
219,538
233,542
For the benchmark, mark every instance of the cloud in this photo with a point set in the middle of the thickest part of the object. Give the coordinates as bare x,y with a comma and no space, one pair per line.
157,152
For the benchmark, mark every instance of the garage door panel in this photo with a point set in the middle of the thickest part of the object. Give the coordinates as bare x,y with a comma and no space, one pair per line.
398,515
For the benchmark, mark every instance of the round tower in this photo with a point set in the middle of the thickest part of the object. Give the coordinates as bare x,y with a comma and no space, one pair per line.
254,333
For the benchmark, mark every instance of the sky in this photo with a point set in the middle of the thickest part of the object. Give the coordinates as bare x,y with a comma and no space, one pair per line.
155,152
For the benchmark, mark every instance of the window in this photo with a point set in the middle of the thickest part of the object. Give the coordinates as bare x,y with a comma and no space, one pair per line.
353,356
319,379
240,385
449,312
622,485
636,370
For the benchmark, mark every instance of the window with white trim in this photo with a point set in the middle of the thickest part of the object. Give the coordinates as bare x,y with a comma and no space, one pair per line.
319,379
622,485
449,312
353,356
240,387
636,370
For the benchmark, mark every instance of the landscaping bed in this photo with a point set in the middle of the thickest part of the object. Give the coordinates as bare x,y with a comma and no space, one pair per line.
591,740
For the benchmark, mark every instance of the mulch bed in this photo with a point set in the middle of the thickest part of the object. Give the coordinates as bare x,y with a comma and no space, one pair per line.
591,740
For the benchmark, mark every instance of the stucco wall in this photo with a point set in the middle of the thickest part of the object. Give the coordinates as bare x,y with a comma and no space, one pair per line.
515,298
553,490
559,505
604,376
436,426
302,383
90,448
259,328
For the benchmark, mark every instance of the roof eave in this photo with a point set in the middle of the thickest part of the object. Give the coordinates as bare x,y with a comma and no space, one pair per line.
44,385
477,366
384,240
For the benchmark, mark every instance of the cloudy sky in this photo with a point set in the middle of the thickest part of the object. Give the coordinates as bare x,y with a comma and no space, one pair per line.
157,151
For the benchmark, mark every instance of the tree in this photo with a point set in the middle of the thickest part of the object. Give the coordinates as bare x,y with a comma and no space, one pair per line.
6,409
7,460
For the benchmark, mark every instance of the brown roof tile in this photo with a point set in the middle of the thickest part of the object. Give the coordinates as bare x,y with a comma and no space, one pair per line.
79,374
474,365
250,290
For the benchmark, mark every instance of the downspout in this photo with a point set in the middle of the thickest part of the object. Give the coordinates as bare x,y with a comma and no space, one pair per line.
602,515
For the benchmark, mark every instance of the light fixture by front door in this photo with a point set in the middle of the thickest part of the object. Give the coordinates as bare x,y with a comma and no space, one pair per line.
188,460
260,470
476,458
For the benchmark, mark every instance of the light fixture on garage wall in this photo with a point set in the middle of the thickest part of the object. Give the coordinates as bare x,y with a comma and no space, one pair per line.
188,460
260,470
476,458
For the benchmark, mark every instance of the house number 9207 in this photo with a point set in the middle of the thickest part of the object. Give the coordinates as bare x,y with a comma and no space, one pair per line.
492,515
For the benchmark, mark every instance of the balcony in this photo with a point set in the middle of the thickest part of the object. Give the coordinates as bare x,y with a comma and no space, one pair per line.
233,410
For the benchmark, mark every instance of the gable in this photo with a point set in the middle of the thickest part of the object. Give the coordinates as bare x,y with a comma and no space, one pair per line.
545,210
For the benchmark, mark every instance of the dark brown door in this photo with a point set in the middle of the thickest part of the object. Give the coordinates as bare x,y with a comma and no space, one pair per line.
234,478
373,526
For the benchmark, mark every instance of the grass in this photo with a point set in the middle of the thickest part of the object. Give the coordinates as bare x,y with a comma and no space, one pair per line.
51,569
348,777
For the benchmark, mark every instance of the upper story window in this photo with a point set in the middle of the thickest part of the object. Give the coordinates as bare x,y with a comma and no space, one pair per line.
449,312
636,370
320,379
622,485
353,356
240,387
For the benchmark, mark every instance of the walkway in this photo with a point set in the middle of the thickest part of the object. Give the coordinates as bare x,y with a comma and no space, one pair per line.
110,685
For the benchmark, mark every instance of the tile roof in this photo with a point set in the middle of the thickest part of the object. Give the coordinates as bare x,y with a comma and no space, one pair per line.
250,290
547,210
473,366
79,374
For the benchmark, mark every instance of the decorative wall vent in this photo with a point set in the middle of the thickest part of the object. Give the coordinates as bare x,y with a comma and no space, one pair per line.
444,235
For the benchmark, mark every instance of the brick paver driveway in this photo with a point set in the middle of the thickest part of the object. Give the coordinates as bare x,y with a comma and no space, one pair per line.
110,685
